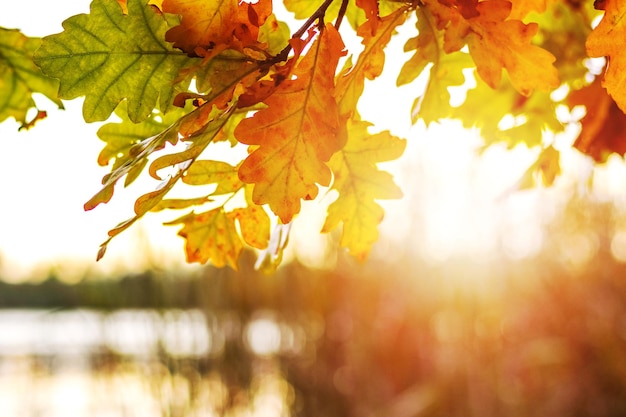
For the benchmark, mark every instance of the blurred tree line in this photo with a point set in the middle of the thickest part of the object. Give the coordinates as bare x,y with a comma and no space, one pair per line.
534,337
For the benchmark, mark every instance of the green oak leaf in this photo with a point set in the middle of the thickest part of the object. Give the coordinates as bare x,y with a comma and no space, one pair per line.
108,56
20,77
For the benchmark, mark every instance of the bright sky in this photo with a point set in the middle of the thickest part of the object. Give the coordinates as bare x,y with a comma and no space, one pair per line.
455,202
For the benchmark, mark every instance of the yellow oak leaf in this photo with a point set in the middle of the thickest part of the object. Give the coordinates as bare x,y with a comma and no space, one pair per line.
370,63
210,236
446,70
296,134
254,224
180,203
608,39
359,183
204,172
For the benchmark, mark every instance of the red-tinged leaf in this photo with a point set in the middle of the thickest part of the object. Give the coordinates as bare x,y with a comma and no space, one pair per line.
101,197
297,132
359,183
210,236
603,127
254,224
40,115
608,39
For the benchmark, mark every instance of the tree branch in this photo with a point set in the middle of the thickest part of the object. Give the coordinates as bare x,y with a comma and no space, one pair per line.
342,12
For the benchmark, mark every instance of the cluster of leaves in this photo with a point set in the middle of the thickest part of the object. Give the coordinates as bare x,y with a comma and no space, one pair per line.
185,75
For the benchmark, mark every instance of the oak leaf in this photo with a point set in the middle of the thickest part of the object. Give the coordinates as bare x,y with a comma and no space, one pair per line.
297,132
604,124
446,69
529,117
108,56
122,138
20,77
359,183
370,63
222,174
496,43
210,236
608,40
145,203
254,224
180,203
216,25
370,7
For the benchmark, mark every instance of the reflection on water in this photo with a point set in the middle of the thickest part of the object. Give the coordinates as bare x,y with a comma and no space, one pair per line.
466,339
138,363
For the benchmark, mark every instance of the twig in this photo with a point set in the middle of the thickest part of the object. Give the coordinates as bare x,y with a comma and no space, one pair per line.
342,12
319,13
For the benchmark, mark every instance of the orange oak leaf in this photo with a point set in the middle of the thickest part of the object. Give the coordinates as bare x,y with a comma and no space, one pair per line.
370,7
603,127
359,183
497,42
297,132
210,236
208,25
609,39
